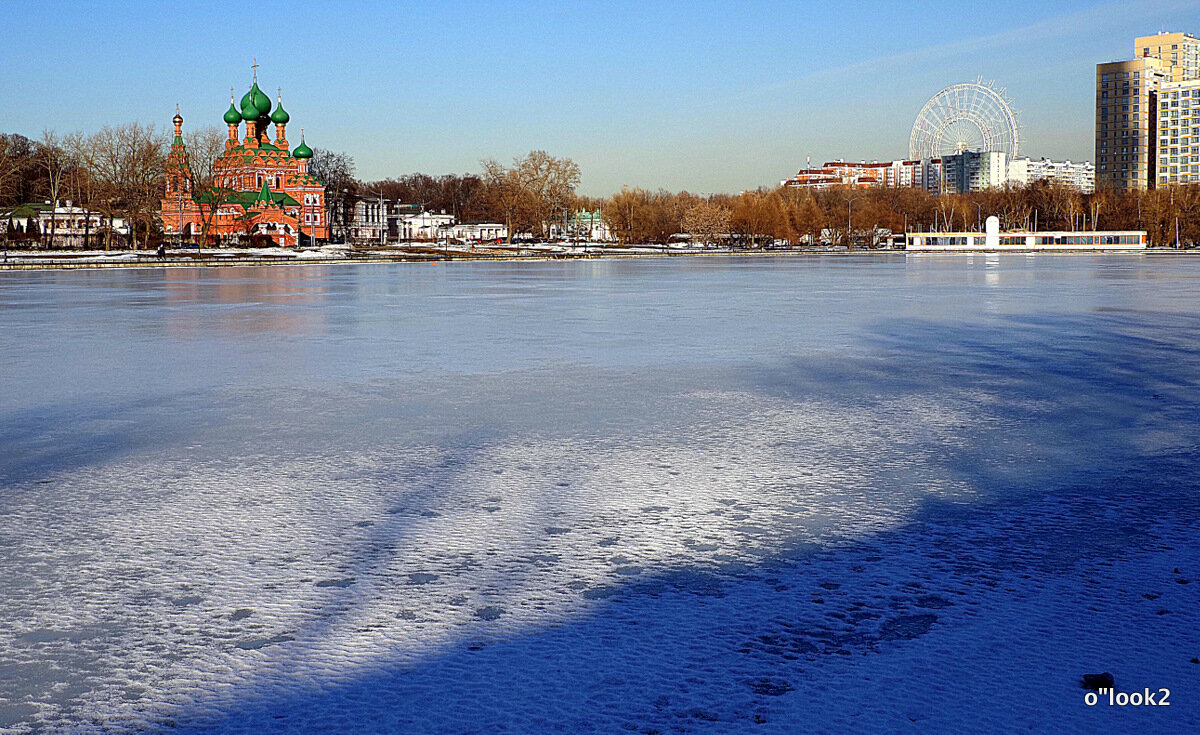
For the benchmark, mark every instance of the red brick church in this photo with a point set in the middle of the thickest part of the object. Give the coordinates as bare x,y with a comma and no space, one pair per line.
260,193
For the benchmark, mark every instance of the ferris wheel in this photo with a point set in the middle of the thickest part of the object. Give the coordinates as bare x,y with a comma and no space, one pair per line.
965,117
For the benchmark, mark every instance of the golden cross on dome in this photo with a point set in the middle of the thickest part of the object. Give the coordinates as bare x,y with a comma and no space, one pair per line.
254,66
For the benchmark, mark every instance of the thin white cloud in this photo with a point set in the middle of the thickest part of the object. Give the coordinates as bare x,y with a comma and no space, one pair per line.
1088,24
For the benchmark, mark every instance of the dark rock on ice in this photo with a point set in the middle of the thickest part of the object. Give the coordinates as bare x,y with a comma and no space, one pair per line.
1097,681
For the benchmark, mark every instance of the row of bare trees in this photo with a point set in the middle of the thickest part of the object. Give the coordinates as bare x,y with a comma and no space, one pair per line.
116,171
527,196
856,217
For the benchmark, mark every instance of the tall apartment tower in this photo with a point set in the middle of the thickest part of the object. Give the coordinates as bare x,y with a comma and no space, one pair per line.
1126,123
1128,110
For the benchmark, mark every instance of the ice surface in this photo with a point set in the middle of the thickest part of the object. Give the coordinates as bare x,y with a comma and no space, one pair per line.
720,496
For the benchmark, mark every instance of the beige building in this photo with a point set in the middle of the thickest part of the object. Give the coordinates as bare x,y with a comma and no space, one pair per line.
1126,107
1179,52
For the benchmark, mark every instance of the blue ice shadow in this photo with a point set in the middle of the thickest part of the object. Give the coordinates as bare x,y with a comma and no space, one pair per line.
801,641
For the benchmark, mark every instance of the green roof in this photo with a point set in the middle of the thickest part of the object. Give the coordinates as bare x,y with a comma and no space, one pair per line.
30,209
264,196
247,199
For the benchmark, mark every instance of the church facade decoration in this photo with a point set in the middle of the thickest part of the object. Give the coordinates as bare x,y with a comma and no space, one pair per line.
260,194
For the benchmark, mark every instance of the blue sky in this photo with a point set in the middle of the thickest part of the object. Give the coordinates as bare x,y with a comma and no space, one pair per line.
708,96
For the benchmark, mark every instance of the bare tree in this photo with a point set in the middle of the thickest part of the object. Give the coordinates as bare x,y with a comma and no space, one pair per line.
130,161
10,166
706,222
336,171
204,146
55,160
505,195
627,215
535,191
549,183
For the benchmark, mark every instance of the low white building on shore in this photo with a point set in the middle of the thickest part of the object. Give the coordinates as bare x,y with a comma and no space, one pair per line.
424,226
993,240
62,225
479,232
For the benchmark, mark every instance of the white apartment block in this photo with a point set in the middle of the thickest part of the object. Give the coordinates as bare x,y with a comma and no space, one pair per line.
974,171
1025,171
1179,133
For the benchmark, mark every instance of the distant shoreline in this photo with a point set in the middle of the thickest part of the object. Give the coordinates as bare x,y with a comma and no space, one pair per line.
69,260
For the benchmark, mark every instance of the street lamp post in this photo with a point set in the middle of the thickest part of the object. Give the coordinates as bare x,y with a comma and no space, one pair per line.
849,233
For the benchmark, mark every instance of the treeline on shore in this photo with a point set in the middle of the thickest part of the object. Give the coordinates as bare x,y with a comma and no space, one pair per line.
119,171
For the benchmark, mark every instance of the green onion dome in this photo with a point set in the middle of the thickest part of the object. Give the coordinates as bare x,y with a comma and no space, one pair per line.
255,104
280,115
302,150
249,111
232,116
261,101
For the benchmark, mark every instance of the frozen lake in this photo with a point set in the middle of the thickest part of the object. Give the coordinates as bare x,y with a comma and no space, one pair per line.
701,495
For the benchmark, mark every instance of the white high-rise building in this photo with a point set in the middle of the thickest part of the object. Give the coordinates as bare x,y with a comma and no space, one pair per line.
973,171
